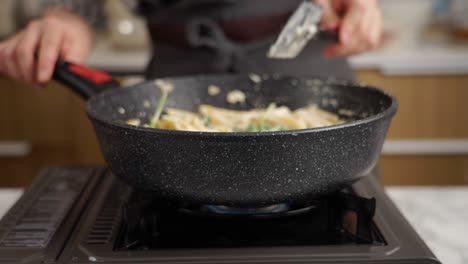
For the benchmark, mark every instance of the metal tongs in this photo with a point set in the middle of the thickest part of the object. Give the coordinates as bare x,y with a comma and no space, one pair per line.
301,27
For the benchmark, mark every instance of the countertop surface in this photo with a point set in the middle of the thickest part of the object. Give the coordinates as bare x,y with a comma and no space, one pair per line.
439,215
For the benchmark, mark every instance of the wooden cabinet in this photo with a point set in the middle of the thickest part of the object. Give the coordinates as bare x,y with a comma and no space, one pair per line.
424,169
53,121
431,107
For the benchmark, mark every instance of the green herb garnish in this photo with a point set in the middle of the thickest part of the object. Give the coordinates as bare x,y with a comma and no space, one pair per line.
206,121
166,88
263,126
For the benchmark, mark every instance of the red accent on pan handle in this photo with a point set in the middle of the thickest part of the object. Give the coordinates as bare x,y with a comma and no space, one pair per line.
82,80
92,75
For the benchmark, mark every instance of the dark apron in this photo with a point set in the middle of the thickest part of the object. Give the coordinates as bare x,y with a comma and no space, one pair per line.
211,52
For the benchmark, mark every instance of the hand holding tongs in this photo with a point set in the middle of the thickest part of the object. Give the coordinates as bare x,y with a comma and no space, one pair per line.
301,27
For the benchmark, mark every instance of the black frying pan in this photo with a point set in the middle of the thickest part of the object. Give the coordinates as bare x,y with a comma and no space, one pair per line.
235,169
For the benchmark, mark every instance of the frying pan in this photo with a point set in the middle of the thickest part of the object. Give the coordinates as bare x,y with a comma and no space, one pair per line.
248,169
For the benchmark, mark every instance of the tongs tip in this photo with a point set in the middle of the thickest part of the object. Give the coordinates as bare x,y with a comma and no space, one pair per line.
300,28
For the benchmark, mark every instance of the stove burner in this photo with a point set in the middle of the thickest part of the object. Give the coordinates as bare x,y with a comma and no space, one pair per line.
228,210
341,218
271,211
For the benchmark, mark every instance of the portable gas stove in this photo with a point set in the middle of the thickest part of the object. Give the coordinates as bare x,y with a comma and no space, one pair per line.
86,215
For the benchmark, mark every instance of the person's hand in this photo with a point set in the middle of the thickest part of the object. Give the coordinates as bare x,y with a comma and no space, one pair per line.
359,24
31,54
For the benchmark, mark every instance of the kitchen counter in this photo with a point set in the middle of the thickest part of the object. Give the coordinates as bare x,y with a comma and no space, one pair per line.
416,42
439,215
396,59
8,196
443,59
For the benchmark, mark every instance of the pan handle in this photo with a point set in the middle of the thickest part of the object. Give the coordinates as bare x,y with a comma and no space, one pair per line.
84,81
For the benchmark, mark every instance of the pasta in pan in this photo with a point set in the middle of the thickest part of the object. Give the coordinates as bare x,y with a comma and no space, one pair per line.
273,118
214,119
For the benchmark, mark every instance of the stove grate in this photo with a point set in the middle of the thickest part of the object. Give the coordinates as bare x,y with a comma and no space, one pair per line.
341,218
33,225
107,220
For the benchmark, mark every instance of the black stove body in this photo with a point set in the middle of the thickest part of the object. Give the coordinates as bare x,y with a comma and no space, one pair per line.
85,215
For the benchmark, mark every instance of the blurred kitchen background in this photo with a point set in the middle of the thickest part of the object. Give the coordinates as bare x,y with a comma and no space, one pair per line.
423,61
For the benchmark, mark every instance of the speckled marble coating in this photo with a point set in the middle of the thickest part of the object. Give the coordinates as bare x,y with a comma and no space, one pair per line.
242,169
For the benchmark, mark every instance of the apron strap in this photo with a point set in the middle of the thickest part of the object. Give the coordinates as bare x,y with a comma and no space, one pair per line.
205,32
